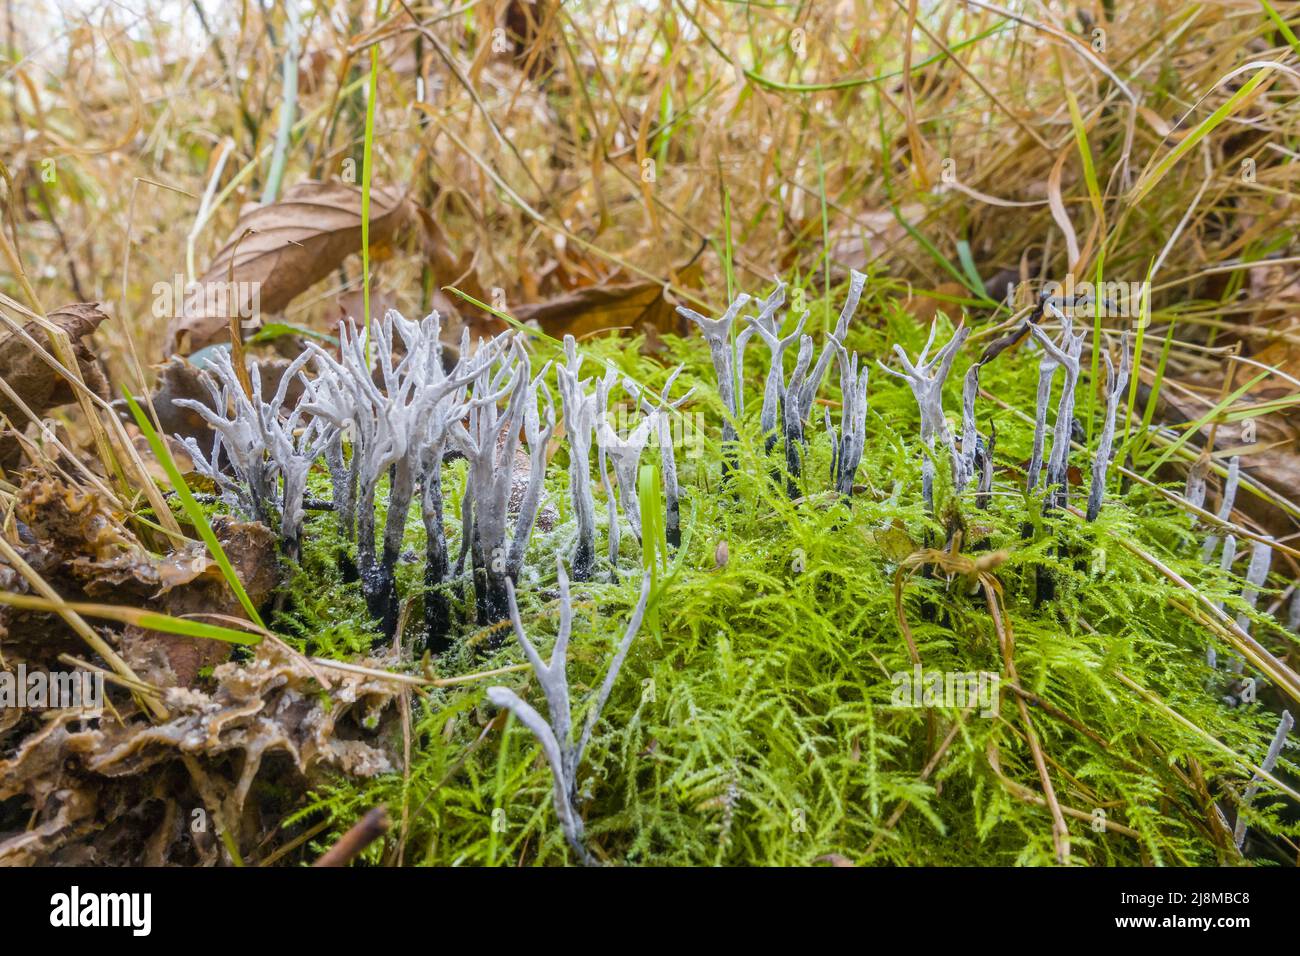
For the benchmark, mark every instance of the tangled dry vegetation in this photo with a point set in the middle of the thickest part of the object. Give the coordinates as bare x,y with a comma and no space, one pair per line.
617,173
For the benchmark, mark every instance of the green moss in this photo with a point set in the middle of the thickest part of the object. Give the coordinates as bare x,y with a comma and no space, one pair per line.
756,725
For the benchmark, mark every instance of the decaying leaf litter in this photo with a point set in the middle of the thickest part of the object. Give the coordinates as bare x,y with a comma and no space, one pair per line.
865,527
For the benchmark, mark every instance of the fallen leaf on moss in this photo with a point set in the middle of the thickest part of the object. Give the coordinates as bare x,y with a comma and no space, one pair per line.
35,382
283,249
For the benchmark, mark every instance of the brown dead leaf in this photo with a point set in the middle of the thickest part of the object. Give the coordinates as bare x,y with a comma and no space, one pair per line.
287,247
108,794
38,385
80,545
635,306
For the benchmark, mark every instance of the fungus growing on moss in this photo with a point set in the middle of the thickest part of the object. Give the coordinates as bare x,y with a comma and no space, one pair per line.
926,379
1066,356
266,444
579,410
717,332
556,735
667,456
1115,385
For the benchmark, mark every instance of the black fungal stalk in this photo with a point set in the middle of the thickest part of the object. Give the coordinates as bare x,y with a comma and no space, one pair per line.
579,409
926,379
556,734
488,443
1115,385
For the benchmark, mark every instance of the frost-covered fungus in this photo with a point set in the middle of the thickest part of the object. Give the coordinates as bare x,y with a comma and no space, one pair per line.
1067,356
579,410
238,439
603,389
926,378
717,332
847,450
625,453
1211,544
1116,382
965,464
767,327
488,441
537,437
563,754
667,457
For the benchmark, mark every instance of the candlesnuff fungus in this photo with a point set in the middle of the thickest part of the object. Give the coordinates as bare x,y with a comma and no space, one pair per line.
717,332
579,410
847,450
488,443
1067,356
792,420
804,385
262,440
766,326
603,389
626,454
446,410
1225,511
1115,385
1261,558
556,736
387,426
1270,761
926,379
667,458
964,465
984,464
1196,475
537,438
236,434
1047,366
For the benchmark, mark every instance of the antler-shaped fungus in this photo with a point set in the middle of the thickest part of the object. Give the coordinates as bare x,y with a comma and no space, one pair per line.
579,409
555,736
926,379
1115,384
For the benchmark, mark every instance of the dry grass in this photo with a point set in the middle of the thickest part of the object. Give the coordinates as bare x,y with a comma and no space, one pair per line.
796,121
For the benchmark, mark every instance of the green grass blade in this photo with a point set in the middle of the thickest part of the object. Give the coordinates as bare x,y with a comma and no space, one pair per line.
146,620
192,509
1281,24
1149,180
367,171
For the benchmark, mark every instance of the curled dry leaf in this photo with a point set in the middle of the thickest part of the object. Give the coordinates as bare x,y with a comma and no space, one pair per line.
80,545
637,306
38,385
106,793
285,248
